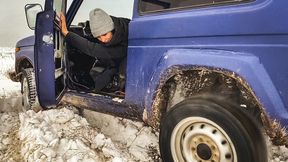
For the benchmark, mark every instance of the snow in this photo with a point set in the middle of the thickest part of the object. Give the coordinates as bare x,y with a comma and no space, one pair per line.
6,62
61,134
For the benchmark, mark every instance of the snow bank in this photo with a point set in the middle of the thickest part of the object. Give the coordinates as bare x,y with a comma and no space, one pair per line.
61,135
9,106
134,137
6,61
9,142
10,98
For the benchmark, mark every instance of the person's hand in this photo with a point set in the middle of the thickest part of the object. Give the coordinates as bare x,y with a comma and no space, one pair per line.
63,25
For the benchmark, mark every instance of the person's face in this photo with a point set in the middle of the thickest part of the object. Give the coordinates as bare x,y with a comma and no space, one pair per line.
105,38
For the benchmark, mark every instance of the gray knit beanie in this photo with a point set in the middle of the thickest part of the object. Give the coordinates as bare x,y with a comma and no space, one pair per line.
100,22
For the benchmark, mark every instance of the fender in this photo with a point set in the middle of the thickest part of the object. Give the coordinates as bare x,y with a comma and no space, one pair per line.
245,65
25,53
26,46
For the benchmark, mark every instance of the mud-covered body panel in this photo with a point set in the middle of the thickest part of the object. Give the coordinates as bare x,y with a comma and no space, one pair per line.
245,40
244,65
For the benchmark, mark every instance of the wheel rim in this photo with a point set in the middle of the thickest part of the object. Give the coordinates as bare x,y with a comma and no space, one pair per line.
202,140
25,94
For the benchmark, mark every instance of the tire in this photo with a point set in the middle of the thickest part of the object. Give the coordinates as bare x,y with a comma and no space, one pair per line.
208,128
29,92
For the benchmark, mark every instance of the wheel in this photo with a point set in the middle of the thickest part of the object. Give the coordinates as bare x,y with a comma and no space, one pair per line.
208,128
28,90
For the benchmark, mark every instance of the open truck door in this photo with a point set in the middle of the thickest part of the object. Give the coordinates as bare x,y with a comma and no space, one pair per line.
49,55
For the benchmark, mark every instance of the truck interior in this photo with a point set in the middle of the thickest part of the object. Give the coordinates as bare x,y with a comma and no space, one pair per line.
79,66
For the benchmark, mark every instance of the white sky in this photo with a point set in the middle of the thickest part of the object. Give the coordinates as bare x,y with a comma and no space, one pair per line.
13,26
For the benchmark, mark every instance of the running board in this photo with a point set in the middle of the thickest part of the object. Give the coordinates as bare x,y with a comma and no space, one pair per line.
103,104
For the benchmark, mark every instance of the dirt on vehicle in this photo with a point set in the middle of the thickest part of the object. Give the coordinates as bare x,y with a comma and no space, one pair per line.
62,134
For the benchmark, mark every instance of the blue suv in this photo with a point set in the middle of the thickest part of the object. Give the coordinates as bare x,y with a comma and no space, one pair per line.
210,75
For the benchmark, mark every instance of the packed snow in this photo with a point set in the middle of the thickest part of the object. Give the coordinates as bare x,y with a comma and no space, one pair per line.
62,134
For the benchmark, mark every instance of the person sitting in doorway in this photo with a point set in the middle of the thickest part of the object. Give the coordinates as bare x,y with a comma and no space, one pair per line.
110,48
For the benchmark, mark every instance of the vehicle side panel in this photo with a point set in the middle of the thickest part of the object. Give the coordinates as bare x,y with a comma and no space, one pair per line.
25,53
241,64
257,28
26,46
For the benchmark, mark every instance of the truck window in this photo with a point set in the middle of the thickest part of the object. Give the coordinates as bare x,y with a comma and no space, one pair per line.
57,6
147,6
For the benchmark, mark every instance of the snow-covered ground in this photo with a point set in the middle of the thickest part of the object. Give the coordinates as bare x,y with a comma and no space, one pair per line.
63,135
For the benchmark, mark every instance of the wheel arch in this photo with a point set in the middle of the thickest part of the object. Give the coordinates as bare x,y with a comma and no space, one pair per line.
198,70
23,63
20,64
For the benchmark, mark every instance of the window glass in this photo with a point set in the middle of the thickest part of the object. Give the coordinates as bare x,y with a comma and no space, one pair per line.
118,8
69,2
160,5
57,5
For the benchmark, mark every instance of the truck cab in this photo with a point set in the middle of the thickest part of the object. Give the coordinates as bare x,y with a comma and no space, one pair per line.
209,75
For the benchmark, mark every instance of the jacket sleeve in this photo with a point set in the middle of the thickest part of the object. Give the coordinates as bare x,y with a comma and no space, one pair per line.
94,49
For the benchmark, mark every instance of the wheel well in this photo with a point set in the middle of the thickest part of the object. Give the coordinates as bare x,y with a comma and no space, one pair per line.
183,84
23,64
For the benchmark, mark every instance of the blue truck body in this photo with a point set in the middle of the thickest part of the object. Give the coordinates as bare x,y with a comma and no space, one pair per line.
245,41
253,37
253,30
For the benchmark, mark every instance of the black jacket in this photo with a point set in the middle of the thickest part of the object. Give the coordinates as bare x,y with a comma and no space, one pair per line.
111,53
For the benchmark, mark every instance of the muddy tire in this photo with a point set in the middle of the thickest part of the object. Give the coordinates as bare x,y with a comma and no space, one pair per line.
207,128
29,92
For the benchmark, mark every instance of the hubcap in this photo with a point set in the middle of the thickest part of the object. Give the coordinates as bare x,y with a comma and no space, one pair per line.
202,140
203,151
